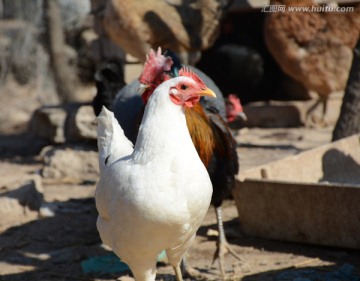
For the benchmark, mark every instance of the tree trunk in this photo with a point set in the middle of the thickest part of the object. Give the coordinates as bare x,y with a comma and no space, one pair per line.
349,120
65,76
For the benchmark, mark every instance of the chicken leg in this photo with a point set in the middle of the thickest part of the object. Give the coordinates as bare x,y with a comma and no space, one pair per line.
178,274
222,245
321,100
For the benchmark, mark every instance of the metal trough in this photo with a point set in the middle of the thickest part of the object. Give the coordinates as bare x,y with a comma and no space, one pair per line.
312,197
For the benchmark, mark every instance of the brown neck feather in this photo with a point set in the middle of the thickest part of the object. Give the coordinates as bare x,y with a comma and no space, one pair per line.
200,132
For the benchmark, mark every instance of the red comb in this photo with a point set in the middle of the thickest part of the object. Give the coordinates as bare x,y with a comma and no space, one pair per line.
235,101
155,65
191,74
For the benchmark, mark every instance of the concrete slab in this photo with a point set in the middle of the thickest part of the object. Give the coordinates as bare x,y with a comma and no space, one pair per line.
280,114
312,197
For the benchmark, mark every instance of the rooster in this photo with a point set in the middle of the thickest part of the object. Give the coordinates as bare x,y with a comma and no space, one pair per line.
154,196
314,48
209,132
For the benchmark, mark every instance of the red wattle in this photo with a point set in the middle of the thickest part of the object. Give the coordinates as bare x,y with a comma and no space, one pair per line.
188,101
191,101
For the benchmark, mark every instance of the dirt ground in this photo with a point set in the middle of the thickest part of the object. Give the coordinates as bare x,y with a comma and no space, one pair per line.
55,248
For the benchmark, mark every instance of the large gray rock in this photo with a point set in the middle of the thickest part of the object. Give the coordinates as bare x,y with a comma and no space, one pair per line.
81,124
59,124
48,123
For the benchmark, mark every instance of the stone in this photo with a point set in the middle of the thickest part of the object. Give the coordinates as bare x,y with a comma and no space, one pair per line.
48,123
81,124
60,124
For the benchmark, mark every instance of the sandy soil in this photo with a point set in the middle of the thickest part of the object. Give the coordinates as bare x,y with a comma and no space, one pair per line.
54,248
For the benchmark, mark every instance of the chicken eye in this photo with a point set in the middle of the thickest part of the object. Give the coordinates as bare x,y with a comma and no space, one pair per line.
183,87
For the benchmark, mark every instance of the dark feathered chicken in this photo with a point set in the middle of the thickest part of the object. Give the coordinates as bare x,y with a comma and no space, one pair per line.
244,68
108,79
209,132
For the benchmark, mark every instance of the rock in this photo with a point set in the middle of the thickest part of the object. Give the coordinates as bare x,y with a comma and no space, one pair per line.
48,123
70,164
22,195
285,114
273,114
81,124
59,124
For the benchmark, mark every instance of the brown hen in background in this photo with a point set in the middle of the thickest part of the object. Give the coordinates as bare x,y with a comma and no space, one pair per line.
185,26
315,48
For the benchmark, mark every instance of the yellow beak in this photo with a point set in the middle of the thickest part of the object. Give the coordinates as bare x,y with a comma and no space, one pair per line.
207,92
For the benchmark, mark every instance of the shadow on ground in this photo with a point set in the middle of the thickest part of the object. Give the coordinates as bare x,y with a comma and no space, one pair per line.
53,248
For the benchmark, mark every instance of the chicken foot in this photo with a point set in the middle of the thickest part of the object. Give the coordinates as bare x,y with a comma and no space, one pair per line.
222,247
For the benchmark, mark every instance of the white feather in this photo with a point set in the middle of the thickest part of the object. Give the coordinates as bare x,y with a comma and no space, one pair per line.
156,198
111,140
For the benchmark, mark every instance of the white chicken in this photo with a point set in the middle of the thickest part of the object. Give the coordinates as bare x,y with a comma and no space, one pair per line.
153,197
